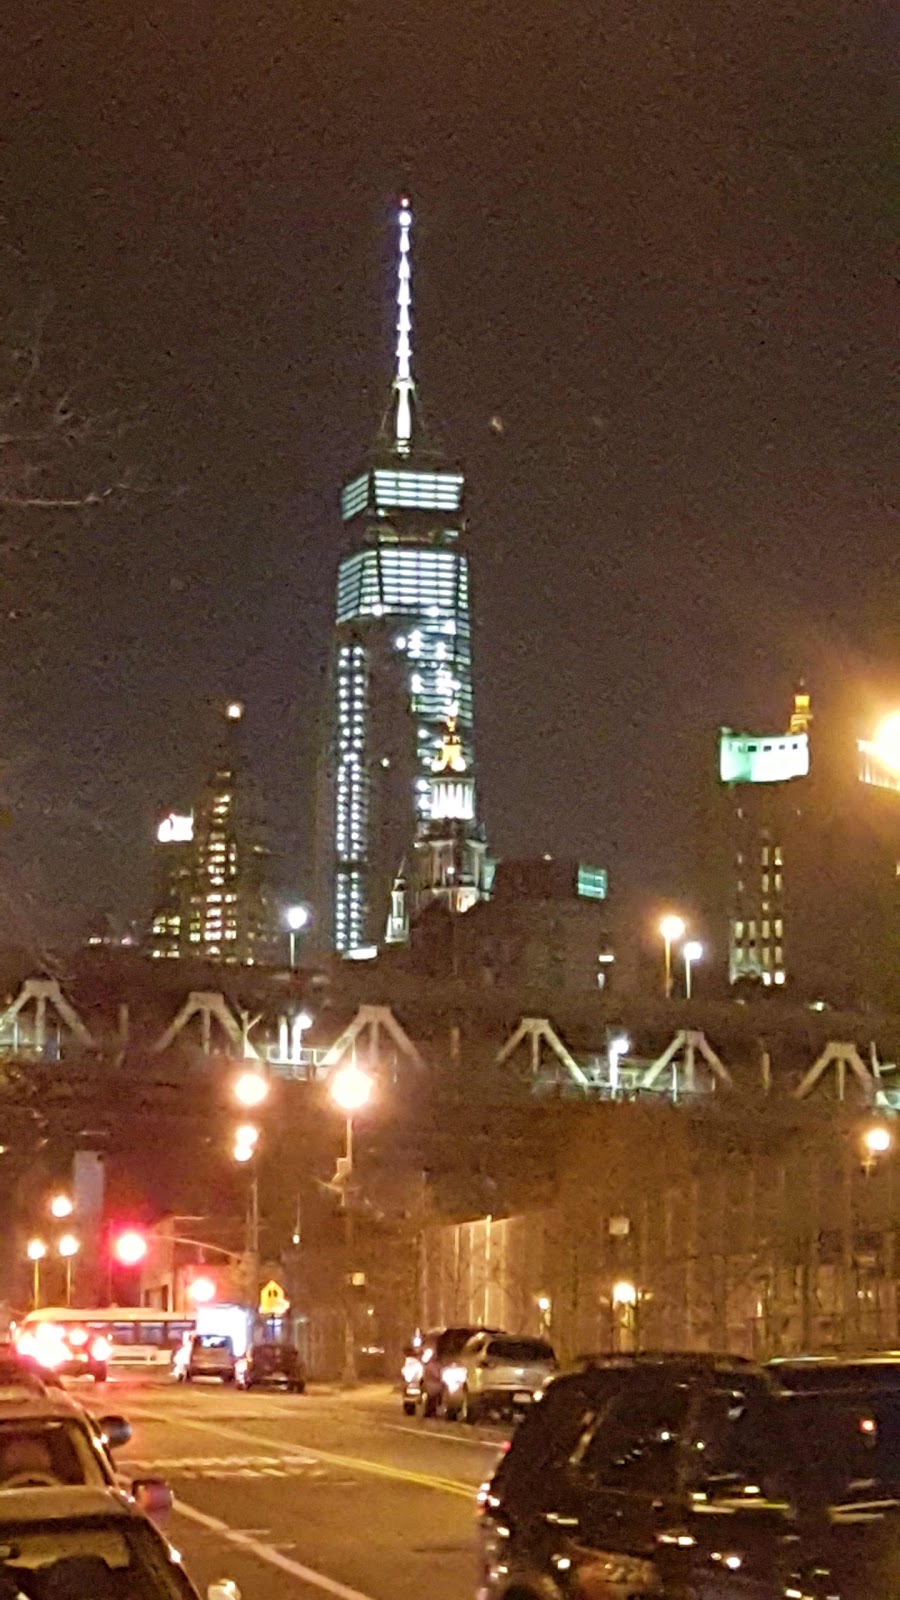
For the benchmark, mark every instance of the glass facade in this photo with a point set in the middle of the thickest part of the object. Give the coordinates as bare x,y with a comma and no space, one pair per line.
406,592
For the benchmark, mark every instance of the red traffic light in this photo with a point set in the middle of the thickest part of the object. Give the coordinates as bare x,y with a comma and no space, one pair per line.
130,1248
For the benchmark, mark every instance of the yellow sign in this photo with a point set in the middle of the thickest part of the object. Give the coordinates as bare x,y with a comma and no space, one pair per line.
272,1300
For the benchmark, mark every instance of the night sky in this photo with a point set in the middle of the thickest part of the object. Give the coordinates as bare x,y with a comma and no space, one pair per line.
653,239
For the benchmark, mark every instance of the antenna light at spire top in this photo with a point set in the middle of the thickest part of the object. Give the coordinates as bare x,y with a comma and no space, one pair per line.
403,379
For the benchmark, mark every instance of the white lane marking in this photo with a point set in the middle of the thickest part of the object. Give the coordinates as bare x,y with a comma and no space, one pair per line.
378,1469
438,1433
269,1553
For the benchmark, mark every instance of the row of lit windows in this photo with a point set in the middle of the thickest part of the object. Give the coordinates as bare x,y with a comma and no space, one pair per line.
777,928
377,582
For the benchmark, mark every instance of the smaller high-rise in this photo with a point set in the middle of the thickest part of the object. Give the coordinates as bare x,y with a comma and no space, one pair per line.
808,865
211,900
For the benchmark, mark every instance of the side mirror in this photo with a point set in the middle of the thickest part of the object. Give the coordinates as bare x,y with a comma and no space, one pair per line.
117,1431
223,1590
153,1496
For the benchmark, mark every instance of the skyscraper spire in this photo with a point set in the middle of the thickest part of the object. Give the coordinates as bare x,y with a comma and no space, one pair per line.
403,380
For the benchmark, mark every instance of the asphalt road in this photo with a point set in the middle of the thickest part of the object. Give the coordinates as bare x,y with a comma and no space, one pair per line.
297,1496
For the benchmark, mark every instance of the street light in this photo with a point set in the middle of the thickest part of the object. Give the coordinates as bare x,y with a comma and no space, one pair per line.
61,1206
692,951
876,1141
297,918
251,1089
36,1250
350,1089
68,1248
672,929
246,1140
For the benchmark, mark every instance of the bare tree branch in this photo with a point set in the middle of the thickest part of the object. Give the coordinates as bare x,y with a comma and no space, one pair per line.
41,427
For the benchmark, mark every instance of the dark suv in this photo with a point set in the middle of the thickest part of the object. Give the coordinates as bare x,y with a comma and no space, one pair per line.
680,1478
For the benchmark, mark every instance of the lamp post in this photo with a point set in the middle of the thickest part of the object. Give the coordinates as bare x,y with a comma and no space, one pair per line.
297,918
68,1248
36,1251
672,929
251,1090
692,951
246,1139
351,1090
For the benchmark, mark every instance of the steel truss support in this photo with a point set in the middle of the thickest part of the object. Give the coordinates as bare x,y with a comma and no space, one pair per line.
840,1054
684,1050
540,1034
210,1007
366,1029
44,992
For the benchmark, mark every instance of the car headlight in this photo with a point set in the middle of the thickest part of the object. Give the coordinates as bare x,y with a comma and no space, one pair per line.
453,1377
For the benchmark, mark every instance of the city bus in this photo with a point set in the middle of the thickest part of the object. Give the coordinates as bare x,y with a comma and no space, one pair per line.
72,1340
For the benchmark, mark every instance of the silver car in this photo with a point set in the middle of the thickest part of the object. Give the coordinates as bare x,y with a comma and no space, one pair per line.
496,1372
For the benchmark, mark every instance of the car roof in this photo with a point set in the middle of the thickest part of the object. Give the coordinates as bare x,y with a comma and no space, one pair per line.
64,1503
29,1405
884,1358
699,1360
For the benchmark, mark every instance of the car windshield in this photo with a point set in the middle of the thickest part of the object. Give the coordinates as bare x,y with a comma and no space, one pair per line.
47,1451
82,1560
520,1350
452,1341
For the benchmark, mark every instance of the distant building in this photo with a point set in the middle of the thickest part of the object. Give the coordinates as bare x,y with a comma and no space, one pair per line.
546,926
809,857
402,660
211,900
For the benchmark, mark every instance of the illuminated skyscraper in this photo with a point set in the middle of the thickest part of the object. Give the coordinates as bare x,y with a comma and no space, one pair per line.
402,656
211,900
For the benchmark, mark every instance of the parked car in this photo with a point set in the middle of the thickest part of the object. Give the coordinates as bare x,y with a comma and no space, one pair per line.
48,1438
87,1544
205,1355
496,1372
423,1370
666,1477
273,1366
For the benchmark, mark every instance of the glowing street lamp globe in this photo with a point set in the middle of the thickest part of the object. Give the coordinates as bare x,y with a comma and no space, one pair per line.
297,918
68,1246
36,1250
672,929
350,1089
693,950
251,1089
877,1140
624,1293
61,1206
